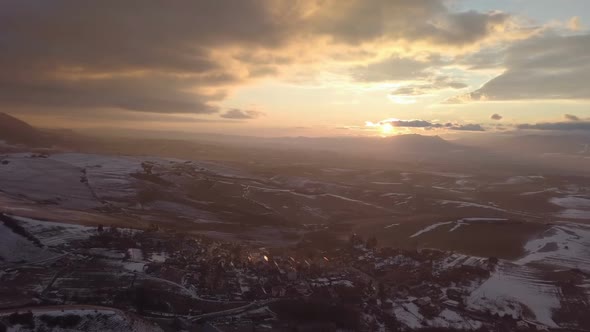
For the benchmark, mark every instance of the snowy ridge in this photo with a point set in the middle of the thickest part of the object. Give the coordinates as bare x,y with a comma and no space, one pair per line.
17,249
458,223
513,288
574,207
562,246
52,233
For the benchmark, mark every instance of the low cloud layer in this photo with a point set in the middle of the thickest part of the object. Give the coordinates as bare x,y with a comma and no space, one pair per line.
571,117
428,125
548,67
557,126
241,114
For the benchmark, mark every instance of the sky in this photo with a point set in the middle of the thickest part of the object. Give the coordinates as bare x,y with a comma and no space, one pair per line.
298,67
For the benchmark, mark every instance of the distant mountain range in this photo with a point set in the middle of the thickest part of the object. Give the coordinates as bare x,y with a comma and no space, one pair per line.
415,143
565,144
537,144
15,131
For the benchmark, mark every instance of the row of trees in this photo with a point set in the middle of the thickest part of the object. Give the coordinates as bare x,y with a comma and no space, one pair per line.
356,240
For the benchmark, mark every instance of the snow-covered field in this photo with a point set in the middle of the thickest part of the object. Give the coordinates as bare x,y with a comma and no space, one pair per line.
17,249
409,314
45,179
513,288
519,287
574,207
54,234
565,246
108,176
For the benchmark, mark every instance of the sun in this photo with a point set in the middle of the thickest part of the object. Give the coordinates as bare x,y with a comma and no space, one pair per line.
387,129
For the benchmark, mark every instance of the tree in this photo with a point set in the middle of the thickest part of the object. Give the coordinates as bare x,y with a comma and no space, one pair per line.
381,292
371,242
355,239
147,167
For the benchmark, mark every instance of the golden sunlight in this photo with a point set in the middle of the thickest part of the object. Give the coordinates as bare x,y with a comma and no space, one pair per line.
387,129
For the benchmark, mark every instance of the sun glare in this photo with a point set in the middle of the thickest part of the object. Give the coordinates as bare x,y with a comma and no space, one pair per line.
387,129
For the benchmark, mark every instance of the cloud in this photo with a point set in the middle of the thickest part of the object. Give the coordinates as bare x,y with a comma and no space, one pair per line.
183,58
354,21
549,67
574,24
487,58
411,123
571,117
435,84
241,114
397,68
467,127
496,117
557,126
424,124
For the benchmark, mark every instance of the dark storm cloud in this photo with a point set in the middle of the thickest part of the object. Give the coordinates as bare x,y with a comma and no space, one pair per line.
558,126
432,125
242,114
168,57
411,123
159,93
496,117
133,55
571,117
466,127
546,67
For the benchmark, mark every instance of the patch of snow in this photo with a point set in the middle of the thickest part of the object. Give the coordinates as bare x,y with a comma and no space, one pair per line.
409,315
575,207
562,246
135,254
158,257
45,179
571,202
16,249
467,221
394,195
54,233
462,204
548,190
450,319
520,179
511,287
430,228
134,266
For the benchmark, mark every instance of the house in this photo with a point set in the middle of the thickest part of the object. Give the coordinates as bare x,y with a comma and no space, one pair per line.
522,325
278,291
292,275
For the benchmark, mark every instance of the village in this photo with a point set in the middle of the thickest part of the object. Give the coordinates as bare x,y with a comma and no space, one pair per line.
185,282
